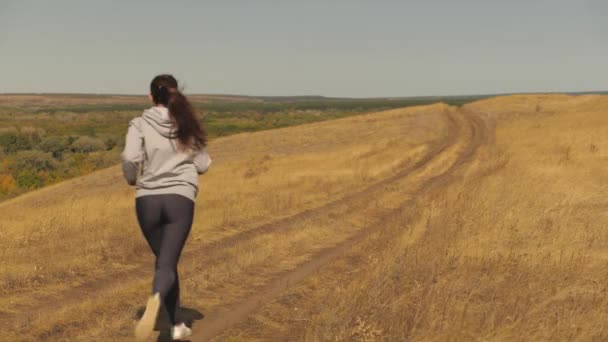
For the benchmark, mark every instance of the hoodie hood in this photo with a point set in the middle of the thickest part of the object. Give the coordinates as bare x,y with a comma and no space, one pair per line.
160,120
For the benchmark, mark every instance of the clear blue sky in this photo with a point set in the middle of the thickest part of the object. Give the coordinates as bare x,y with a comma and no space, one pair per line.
334,48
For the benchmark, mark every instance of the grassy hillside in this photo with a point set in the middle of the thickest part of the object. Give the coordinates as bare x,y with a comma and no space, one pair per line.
481,222
83,231
514,249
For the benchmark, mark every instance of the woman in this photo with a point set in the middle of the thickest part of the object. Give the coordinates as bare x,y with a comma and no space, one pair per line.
171,146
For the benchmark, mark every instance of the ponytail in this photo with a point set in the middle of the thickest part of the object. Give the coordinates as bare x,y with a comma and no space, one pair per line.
189,131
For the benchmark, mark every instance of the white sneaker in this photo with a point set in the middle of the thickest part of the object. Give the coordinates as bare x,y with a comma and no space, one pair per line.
145,326
180,331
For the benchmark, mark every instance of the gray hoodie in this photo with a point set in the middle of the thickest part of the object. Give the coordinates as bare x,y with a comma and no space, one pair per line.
165,169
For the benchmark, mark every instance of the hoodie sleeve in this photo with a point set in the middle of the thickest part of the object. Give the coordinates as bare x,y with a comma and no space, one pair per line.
202,160
133,153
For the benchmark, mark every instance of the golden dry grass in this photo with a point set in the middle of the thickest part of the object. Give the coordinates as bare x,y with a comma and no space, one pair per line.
79,233
505,244
514,250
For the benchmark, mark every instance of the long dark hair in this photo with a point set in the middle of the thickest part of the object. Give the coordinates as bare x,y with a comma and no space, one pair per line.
189,131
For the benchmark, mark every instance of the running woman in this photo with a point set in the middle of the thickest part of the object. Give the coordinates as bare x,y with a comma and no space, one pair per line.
165,152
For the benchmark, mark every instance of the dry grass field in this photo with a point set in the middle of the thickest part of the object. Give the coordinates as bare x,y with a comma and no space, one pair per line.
481,222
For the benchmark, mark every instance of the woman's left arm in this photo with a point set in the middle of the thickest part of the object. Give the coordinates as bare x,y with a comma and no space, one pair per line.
202,161
133,153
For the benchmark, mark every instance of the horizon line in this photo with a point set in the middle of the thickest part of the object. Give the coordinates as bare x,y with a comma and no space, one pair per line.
587,92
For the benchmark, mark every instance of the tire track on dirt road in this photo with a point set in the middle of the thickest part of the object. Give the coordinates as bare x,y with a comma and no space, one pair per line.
111,280
224,318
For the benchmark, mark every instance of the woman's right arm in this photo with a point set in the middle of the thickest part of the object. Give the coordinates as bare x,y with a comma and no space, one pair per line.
133,153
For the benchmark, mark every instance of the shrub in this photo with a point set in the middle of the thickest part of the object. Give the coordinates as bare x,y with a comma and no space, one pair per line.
31,160
85,144
29,179
110,143
55,145
7,184
12,142
34,134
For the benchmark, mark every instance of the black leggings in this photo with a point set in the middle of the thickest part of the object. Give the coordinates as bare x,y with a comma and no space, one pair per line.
165,221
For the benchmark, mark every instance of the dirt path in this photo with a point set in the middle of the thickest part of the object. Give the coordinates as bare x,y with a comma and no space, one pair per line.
108,282
226,317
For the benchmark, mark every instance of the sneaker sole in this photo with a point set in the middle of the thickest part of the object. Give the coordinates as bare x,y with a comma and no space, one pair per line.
146,324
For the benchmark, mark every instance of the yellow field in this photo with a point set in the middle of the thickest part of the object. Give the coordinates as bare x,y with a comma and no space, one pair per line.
483,222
